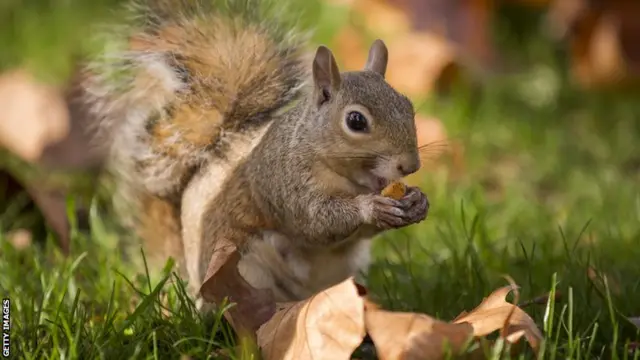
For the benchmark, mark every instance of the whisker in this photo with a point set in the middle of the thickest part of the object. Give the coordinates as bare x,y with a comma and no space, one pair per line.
442,143
438,147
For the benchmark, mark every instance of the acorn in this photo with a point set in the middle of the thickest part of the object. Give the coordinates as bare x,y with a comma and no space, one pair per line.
395,190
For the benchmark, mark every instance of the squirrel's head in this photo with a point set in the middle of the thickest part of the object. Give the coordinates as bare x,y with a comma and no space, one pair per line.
368,129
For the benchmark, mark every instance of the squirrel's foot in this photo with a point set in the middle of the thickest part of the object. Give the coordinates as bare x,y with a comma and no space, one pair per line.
386,213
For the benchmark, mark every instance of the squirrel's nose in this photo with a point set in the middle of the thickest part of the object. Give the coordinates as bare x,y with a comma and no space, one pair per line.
409,165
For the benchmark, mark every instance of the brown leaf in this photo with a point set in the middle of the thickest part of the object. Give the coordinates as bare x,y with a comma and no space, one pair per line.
329,325
400,335
496,313
33,115
332,324
253,307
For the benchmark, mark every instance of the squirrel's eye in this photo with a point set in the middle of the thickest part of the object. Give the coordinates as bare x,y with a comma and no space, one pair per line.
357,122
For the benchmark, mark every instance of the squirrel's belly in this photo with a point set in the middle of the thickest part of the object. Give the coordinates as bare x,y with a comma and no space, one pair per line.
295,274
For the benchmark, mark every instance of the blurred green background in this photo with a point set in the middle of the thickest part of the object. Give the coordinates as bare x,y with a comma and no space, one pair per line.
537,176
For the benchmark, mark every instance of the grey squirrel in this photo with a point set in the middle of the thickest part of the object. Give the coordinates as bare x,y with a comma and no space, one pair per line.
220,125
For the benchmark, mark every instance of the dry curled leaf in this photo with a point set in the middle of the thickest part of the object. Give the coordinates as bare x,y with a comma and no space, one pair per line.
495,313
329,325
333,323
253,307
395,190
401,335
34,115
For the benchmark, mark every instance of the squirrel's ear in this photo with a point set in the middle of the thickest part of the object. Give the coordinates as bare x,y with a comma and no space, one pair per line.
326,74
378,56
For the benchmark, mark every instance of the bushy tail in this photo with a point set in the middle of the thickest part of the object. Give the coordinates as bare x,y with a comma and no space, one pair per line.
182,76
177,81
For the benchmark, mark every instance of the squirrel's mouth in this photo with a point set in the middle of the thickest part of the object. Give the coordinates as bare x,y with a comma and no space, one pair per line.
374,180
380,184
375,183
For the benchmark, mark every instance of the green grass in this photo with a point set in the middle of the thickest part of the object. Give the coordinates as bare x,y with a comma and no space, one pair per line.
547,192
550,187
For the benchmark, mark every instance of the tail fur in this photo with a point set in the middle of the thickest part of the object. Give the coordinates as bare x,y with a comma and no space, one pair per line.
191,72
179,78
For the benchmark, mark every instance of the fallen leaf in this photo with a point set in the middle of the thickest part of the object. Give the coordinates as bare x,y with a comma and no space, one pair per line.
33,115
333,323
253,307
494,313
401,335
329,325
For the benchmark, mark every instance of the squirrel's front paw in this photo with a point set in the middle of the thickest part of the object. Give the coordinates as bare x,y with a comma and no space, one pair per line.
386,213
416,205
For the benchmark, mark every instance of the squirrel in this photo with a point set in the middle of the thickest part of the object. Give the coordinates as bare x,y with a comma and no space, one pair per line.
221,125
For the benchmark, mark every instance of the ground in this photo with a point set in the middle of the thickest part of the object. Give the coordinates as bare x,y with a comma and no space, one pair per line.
547,191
